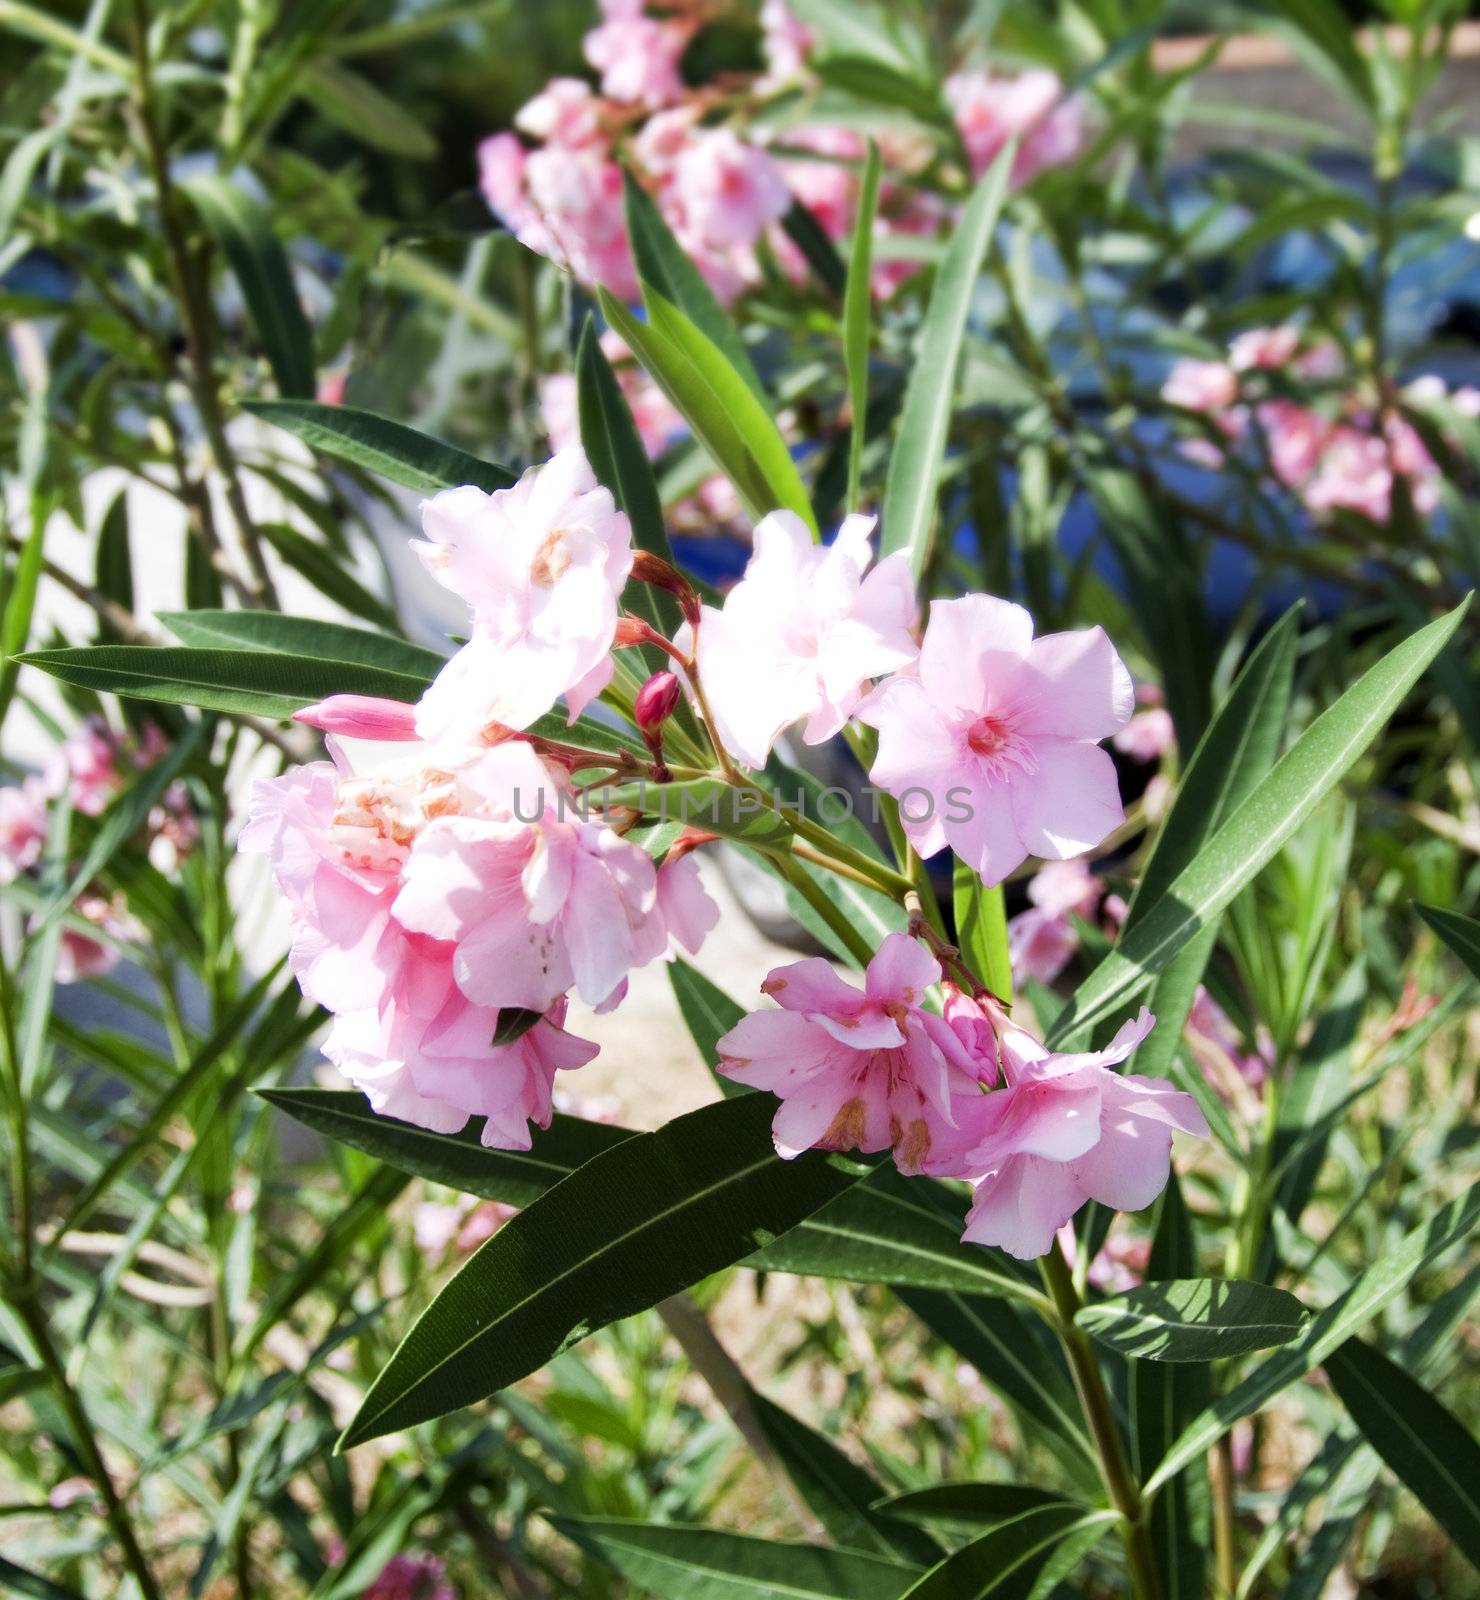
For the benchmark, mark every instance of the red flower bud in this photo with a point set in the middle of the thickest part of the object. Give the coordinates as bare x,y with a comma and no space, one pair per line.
656,700
648,568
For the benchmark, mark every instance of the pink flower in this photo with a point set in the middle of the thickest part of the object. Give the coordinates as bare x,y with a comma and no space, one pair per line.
79,956
684,904
1296,437
828,187
361,716
858,1070
1219,1047
728,191
1064,1130
657,419
1210,386
1272,348
1029,107
536,902
786,43
86,766
638,58
1042,940
541,565
22,827
801,633
1151,732
564,112
411,1578
991,748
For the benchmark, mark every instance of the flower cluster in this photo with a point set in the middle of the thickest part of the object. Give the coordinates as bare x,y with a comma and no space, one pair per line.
964,1094
721,187
91,767
1343,457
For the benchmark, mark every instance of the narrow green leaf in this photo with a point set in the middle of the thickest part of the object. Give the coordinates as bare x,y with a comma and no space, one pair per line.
877,83
1368,1294
458,1160
971,1505
664,266
672,1561
708,803
728,420
1461,934
640,1222
113,571
256,682
353,103
924,425
843,1496
708,1014
858,305
243,229
1194,1319
1256,830
388,449
981,930
18,585
303,636
809,236
1420,1439
328,573
21,1580
1012,1550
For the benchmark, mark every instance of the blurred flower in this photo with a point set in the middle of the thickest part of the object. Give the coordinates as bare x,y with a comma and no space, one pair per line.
991,109
1150,733
1042,940
991,749
22,827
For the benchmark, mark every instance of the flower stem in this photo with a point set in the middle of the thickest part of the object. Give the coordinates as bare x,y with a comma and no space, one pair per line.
1089,1383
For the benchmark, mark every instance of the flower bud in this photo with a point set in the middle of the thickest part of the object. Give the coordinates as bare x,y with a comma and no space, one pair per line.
361,716
648,568
630,631
656,700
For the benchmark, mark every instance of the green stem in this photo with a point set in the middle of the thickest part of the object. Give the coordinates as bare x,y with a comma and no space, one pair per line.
811,892
1089,1383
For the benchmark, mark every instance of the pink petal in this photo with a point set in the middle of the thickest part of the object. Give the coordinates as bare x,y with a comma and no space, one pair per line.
964,639
812,985
902,969
1073,686
1020,1207
1070,803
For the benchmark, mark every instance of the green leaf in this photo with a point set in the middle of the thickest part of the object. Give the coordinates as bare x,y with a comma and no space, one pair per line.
18,585
1011,1552
113,571
1461,934
353,103
1256,830
638,1223
1420,1439
328,573
664,266
704,1564
728,420
811,238
981,929
971,1505
1368,1294
858,305
896,1230
1194,1319
708,1014
243,229
388,449
841,1494
869,79
458,1160
924,425
243,682
275,633
707,803
21,1580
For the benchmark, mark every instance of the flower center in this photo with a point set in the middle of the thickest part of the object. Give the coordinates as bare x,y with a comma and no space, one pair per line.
550,560
988,736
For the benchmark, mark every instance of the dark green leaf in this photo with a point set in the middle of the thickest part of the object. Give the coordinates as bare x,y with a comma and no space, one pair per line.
707,803
858,305
388,449
303,636
971,1505
637,1224
1004,1560
1194,1319
708,1013
328,573
1461,934
353,103
809,236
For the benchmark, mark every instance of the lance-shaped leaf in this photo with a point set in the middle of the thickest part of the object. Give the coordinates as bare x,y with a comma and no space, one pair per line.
243,229
1194,1319
705,1564
1257,830
706,803
858,303
637,1224
920,445
1461,934
386,448
708,1013
1420,1439
1013,1550
303,636
971,1505
1370,1292
728,420
243,682
459,1160
981,929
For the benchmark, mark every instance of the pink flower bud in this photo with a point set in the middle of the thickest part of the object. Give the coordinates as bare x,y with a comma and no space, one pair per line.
361,716
656,700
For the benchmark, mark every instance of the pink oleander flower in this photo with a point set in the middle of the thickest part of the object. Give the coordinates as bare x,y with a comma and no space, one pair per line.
638,57
535,902
78,955
1042,940
564,112
858,1070
22,827
1151,732
87,766
786,43
542,566
1358,467
1218,1047
1272,348
828,187
1209,386
657,419
1064,1130
685,905
1296,437
991,747
411,1578
361,716
728,191
1030,107
802,632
